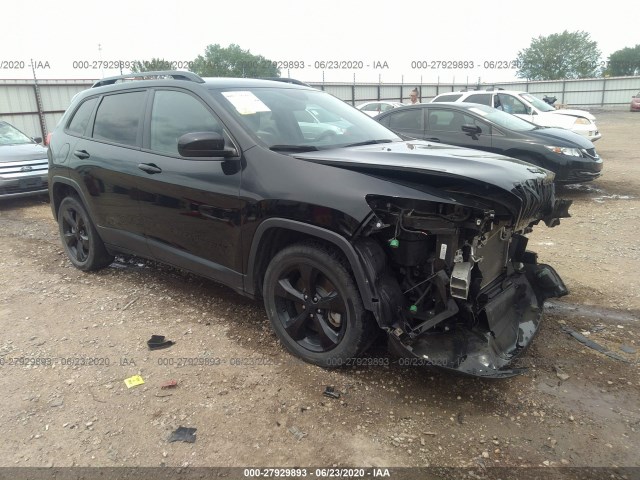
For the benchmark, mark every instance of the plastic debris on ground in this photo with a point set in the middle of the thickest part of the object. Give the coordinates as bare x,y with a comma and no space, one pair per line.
331,393
157,342
299,434
591,344
183,434
169,384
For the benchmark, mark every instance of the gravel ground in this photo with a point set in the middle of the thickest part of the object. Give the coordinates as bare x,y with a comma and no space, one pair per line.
69,339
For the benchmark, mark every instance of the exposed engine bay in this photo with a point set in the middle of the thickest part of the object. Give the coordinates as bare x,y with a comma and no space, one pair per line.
458,288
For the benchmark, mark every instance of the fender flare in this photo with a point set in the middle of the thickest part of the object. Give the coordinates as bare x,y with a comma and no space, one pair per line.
364,285
71,183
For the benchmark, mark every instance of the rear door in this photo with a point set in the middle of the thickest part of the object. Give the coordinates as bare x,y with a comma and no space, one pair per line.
104,161
191,206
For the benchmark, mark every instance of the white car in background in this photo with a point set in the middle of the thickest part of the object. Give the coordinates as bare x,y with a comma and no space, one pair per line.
375,108
528,107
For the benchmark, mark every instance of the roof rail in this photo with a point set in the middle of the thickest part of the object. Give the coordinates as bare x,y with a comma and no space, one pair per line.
175,74
286,80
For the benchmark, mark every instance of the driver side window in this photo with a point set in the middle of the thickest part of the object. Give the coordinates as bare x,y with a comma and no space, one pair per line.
174,114
511,104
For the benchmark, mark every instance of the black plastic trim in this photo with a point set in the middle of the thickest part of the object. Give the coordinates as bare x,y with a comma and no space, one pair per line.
187,261
339,241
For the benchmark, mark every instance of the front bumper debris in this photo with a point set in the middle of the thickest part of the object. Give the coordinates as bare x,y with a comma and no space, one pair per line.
506,325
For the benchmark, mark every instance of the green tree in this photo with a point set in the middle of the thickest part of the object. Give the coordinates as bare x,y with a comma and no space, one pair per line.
559,56
153,65
233,61
624,62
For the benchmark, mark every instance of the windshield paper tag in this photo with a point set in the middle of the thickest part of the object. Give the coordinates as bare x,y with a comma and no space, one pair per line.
246,103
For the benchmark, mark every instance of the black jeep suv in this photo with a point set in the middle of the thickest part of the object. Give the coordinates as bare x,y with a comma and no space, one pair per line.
285,193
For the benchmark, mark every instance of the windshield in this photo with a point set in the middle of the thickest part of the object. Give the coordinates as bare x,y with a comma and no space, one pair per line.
12,136
503,119
536,102
284,118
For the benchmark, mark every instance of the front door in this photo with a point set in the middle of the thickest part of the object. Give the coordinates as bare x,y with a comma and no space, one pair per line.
191,206
445,125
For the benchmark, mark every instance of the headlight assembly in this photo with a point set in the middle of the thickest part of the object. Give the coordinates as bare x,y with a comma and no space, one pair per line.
572,152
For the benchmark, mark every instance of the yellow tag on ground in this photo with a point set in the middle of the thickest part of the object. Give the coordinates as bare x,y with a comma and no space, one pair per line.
133,381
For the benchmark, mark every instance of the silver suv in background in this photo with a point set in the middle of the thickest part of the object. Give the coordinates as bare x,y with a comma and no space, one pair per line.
23,163
531,108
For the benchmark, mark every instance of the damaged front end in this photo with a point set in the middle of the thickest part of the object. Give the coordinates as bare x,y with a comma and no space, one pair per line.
456,286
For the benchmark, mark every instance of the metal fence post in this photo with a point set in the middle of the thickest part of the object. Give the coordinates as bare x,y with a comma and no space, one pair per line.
353,91
36,91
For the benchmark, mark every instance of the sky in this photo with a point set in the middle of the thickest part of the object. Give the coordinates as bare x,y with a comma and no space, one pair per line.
64,38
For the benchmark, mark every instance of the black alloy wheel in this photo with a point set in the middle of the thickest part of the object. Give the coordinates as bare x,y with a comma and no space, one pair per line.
315,306
80,238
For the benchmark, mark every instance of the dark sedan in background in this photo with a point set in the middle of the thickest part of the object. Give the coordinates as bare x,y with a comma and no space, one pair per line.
23,164
570,156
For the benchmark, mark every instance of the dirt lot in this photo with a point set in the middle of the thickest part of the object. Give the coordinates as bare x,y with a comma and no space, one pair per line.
261,407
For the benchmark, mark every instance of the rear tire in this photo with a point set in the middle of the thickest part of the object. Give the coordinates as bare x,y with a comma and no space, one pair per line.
80,240
315,306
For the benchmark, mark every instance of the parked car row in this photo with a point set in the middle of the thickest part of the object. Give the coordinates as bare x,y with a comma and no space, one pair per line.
530,108
570,156
515,124
23,169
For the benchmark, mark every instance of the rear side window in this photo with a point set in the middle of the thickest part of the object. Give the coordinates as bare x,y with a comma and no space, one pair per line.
407,120
448,120
174,114
118,118
78,123
447,98
481,98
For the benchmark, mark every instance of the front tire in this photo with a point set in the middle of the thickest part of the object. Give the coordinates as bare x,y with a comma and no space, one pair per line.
81,241
315,307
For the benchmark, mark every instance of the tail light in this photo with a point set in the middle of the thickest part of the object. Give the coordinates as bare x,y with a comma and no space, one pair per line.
47,139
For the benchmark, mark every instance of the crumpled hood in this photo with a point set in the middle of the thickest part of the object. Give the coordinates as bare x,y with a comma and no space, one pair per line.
27,151
435,159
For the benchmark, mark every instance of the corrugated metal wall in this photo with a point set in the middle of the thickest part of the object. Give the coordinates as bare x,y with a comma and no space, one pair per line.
596,92
19,105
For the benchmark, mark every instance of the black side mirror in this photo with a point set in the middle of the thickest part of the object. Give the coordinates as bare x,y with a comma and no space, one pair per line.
204,144
473,130
37,139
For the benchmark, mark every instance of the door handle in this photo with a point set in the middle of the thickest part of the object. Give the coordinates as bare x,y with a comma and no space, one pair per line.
221,214
81,154
433,139
149,168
